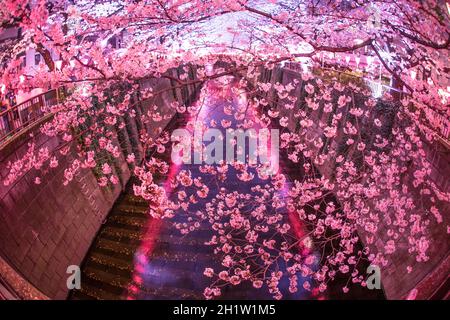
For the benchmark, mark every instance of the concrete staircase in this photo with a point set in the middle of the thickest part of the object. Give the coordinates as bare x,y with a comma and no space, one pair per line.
108,266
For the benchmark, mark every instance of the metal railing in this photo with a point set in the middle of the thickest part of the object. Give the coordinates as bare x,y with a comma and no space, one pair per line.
23,115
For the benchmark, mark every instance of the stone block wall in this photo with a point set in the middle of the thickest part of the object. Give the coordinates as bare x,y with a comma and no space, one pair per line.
47,227
397,282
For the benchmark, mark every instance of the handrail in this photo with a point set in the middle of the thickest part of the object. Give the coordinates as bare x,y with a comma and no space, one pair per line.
24,114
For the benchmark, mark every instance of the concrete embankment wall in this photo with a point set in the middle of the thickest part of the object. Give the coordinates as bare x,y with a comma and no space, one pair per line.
47,227
397,282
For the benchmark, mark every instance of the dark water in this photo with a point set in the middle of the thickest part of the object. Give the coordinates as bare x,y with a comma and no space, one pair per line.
169,265
173,267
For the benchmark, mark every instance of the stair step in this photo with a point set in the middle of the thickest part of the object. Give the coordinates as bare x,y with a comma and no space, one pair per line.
125,240
113,262
111,253
121,234
114,246
138,211
93,281
91,292
107,279
127,222
131,199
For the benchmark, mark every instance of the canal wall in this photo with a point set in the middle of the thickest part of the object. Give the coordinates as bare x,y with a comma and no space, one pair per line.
46,227
397,282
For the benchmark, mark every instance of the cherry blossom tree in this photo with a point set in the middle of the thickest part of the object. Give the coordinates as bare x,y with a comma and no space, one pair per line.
375,146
